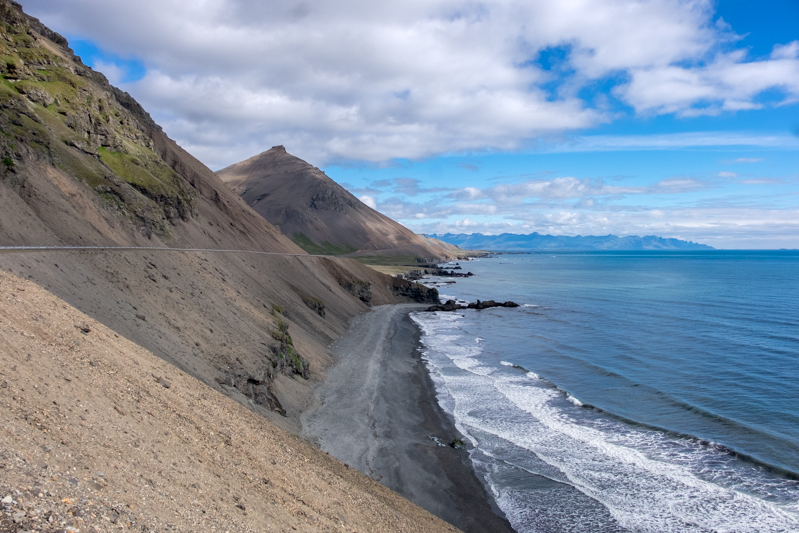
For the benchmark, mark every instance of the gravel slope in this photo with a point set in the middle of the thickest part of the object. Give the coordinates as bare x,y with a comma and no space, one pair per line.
99,434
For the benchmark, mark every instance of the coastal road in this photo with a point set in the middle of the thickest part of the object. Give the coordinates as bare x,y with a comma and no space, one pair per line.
17,249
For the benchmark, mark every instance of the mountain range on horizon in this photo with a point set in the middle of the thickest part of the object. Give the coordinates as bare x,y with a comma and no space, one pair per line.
511,242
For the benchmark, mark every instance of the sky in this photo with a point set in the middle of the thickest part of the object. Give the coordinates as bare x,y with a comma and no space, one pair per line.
677,118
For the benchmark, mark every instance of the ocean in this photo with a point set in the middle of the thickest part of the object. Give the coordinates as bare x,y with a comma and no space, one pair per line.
632,391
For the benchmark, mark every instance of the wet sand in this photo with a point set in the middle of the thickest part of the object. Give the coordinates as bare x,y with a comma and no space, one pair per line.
377,410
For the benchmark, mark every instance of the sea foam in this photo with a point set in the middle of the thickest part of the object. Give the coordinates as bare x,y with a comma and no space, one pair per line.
532,433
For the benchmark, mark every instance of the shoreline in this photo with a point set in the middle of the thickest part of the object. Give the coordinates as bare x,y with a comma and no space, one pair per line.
377,410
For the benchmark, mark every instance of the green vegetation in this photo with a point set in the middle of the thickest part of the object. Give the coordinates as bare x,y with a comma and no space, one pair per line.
71,119
325,248
143,173
287,353
8,162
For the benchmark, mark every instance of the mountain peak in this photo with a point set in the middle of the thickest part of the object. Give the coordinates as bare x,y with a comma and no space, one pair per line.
316,212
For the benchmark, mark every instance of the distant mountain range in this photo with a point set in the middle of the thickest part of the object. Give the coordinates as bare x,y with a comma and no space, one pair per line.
510,242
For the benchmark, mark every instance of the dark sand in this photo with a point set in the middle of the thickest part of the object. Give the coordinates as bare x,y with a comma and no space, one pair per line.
376,412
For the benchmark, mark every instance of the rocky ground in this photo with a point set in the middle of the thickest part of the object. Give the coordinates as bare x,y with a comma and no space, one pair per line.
99,434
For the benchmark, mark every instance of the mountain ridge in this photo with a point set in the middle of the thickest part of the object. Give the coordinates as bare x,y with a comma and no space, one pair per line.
511,242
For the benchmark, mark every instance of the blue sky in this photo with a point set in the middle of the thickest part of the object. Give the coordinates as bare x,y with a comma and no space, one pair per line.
678,118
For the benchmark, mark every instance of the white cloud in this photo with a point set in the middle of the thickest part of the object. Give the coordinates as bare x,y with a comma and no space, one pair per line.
112,71
371,201
727,83
413,78
748,160
465,223
673,141
511,195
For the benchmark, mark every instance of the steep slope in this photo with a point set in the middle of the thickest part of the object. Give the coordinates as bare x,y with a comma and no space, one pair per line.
99,434
85,165
316,212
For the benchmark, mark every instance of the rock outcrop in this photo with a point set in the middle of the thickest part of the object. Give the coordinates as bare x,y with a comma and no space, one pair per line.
451,305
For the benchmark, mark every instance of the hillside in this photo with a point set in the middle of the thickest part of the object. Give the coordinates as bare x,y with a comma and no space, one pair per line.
317,213
99,434
85,165
509,242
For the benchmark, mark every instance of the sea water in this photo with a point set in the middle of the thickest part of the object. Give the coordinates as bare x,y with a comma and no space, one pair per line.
631,391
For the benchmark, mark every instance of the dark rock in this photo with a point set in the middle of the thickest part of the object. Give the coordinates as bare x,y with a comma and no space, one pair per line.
361,289
414,292
450,274
314,304
450,305
260,392
142,318
458,444
165,383
414,275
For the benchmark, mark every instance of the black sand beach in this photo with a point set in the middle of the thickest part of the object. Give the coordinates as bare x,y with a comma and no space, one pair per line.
376,412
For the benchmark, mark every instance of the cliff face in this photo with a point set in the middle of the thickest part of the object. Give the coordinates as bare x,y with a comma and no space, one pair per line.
85,165
319,214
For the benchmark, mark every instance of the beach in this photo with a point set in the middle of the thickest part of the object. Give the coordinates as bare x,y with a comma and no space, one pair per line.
377,411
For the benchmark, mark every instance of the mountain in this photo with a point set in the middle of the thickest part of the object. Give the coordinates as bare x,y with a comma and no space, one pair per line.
83,164
509,242
317,213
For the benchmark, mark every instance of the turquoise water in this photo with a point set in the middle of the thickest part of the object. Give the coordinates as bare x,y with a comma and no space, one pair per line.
633,391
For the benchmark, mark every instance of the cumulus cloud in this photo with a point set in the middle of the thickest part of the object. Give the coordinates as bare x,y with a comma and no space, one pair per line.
369,200
747,160
571,188
371,81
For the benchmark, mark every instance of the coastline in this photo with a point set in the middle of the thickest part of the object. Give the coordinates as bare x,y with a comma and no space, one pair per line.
377,410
